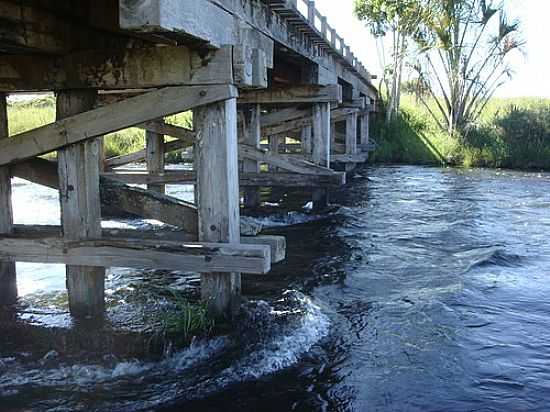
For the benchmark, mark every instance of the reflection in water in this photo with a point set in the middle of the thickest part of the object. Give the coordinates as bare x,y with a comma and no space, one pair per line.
426,291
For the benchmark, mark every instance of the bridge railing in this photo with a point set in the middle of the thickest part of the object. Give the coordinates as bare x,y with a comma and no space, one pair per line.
319,26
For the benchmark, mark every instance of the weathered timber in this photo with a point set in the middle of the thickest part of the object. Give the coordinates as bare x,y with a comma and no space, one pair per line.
364,129
118,196
321,148
294,94
285,162
138,253
141,154
216,162
252,136
277,244
161,127
285,115
78,171
306,141
248,179
114,117
154,149
8,280
286,127
348,158
108,69
351,134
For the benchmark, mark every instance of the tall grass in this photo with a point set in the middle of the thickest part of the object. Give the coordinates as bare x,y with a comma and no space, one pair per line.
28,115
511,133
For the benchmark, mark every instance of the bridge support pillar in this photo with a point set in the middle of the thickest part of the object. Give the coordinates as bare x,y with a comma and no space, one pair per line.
351,138
364,133
252,137
154,156
216,162
8,281
78,168
321,147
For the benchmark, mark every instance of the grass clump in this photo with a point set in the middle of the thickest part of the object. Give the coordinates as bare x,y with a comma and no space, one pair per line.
511,133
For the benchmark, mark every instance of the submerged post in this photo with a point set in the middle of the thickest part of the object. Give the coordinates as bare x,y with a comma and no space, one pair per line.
8,280
252,136
351,138
216,161
78,168
321,148
154,156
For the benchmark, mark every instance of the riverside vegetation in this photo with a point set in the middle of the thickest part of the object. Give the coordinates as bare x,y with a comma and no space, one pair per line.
511,133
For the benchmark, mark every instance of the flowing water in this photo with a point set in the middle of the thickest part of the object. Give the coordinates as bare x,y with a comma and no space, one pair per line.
425,290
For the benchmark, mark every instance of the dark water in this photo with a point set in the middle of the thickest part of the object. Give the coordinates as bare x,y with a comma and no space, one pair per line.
427,290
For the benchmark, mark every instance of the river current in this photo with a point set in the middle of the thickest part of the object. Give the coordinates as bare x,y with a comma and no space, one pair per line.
424,289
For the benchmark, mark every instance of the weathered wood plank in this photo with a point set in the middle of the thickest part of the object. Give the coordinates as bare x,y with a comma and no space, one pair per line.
346,158
351,134
161,127
141,154
139,253
78,171
295,94
154,149
252,136
107,119
285,115
111,69
216,162
8,280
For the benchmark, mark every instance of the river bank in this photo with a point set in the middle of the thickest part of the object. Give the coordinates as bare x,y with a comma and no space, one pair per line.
512,133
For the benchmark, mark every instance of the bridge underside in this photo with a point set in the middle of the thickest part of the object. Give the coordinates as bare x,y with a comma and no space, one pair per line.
277,98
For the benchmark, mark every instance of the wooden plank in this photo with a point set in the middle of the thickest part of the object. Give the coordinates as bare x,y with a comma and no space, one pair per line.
287,127
111,69
285,115
8,280
107,119
252,136
161,127
364,129
118,196
306,141
347,158
78,171
295,94
139,253
285,162
351,134
248,179
216,162
154,148
141,154
277,244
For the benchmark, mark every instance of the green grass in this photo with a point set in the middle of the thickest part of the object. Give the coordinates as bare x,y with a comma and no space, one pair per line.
27,115
511,133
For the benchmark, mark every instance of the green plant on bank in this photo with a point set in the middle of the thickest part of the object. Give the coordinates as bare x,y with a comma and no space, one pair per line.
28,115
511,133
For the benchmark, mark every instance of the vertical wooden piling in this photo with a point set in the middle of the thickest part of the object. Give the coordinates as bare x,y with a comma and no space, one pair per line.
306,136
8,281
216,162
274,142
252,136
351,138
78,168
321,147
364,131
154,157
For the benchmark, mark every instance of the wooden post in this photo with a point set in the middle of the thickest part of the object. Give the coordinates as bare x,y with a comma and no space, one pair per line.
78,168
8,280
321,147
252,136
216,162
306,141
351,138
364,131
274,141
154,157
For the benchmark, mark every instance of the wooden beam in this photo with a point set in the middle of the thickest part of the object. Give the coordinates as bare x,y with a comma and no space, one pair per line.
284,162
284,115
109,69
107,119
306,141
351,134
161,127
252,136
141,154
347,158
118,196
295,94
246,180
138,253
78,171
364,129
287,126
277,244
8,280
216,162
154,149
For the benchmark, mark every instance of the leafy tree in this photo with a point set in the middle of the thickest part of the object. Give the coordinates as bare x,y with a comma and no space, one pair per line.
398,21
463,58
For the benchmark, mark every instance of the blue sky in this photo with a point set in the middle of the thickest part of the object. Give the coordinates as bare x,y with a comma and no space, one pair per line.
532,71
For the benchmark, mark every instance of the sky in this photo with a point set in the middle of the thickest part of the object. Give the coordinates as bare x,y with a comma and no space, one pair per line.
531,70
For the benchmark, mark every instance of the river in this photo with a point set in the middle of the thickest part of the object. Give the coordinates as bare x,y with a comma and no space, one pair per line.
426,289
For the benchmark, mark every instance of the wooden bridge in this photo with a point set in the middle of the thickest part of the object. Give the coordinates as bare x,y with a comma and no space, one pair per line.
277,99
